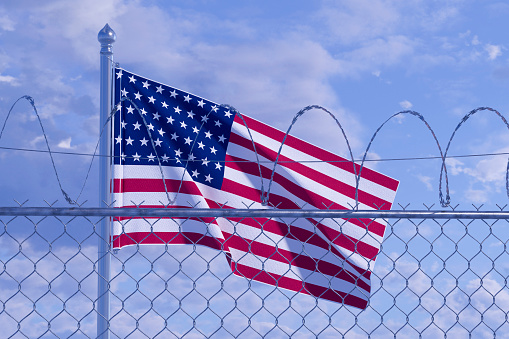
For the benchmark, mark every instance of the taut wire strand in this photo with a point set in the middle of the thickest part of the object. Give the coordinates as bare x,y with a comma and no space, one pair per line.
473,155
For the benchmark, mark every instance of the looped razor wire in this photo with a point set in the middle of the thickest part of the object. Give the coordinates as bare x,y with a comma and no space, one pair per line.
32,102
113,111
265,199
190,152
463,120
265,194
262,190
444,168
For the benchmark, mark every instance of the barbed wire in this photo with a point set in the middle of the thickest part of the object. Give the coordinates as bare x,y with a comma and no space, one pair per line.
32,103
443,202
265,194
265,198
463,120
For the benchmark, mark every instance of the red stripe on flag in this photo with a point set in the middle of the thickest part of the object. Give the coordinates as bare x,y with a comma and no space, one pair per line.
285,203
300,234
338,238
151,238
298,285
319,177
204,219
155,185
269,225
246,245
317,152
302,260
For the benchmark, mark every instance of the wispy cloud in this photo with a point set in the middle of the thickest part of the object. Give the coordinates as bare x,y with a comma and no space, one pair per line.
9,79
6,23
426,180
66,144
405,104
494,51
357,21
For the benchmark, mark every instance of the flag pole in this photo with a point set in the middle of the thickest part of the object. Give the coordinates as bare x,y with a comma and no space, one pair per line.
106,37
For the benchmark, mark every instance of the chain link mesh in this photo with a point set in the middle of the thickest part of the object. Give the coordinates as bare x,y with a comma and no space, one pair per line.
433,278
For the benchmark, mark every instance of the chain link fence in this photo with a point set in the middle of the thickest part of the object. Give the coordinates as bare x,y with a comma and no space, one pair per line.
437,275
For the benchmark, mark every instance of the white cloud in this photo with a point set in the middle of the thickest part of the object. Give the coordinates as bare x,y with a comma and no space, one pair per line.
381,52
6,23
421,28
464,35
399,119
8,79
475,40
373,157
259,77
436,18
271,80
477,49
34,142
477,196
490,170
76,23
486,177
426,181
494,51
66,144
405,104
454,166
359,20
294,70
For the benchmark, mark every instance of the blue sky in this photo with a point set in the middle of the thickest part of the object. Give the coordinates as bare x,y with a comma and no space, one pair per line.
363,60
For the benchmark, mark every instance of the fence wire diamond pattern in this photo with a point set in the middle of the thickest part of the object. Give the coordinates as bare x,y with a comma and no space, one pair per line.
433,278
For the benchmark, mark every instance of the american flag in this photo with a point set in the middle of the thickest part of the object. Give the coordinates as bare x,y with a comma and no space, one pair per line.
174,149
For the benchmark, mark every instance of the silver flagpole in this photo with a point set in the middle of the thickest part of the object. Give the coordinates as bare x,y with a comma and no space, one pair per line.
106,37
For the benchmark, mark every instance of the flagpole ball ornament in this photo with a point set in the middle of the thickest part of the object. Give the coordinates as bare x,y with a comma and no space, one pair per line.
106,37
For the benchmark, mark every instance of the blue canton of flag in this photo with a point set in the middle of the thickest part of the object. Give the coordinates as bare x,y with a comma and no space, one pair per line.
163,125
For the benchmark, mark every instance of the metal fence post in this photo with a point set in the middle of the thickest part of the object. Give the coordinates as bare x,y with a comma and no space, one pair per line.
106,37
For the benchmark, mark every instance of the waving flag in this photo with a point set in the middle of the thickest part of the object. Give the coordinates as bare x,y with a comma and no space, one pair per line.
174,149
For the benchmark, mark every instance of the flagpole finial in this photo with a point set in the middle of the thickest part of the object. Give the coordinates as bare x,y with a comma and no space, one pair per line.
106,37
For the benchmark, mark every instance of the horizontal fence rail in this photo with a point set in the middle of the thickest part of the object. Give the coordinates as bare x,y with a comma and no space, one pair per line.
437,274
249,213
